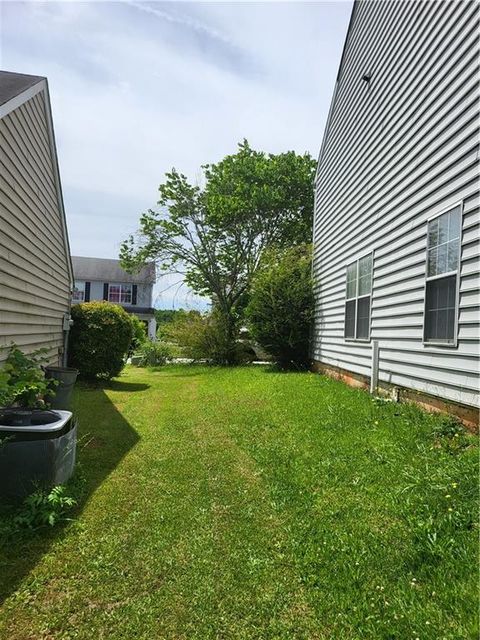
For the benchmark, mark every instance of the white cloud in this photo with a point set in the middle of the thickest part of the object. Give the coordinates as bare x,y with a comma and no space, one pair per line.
138,89
181,19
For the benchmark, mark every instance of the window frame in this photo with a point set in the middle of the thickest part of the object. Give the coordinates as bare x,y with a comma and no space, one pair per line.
447,274
74,301
370,252
121,285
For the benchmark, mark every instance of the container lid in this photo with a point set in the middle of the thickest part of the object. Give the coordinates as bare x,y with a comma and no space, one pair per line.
57,425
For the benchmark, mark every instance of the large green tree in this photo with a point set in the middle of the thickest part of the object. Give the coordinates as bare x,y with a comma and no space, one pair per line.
215,235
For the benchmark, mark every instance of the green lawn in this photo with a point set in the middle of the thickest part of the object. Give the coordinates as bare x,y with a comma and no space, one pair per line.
248,504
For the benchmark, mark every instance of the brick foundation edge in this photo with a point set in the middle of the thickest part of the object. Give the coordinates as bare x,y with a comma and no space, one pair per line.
469,416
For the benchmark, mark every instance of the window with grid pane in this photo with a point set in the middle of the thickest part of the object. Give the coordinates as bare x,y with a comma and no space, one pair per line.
358,299
443,255
121,293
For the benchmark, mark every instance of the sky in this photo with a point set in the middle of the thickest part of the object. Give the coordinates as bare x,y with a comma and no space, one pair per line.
140,87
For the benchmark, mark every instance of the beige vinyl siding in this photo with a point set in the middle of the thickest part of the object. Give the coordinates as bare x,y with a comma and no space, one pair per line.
34,275
396,152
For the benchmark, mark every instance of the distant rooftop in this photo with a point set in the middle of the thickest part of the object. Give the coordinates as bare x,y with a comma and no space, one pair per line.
12,84
108,270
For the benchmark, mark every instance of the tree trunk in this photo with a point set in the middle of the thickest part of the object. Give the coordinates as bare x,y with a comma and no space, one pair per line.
231,340
228,330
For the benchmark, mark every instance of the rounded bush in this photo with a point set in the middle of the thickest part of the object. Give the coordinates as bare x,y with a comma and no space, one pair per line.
280,310
99,339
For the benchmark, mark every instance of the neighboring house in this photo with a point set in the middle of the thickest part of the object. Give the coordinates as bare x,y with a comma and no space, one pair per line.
396,231
104,279
35,269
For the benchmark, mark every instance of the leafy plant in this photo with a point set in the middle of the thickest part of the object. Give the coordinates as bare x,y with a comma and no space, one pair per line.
99,339
280,310
154,354
44,508
448,427
23,382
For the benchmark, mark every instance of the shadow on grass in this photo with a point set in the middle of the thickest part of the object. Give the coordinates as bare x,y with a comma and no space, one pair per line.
204,369
127,387
275,368
104,438
194,370
112,385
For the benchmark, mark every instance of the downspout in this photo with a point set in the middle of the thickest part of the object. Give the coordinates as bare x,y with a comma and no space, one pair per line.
67,323
374,371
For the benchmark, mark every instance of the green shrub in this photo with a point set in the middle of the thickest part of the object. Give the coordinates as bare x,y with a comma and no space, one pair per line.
280,309
139,334
206,337
170,319
188,332
153,354
99,339
165,317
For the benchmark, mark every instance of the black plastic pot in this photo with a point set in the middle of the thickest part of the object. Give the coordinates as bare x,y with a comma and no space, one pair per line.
66,377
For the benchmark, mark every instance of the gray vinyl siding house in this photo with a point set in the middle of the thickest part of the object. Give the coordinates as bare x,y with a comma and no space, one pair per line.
397,179
104,279
35,268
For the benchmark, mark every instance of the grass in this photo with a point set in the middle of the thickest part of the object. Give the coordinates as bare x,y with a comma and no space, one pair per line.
248,504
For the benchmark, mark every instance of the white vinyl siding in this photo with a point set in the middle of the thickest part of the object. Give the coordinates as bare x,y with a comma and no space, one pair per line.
398,151
34,273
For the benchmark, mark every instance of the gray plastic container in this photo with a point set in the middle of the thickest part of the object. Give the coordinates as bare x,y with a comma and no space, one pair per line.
66,377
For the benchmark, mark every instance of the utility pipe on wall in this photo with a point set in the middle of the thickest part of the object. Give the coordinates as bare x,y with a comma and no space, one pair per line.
67,323
374,371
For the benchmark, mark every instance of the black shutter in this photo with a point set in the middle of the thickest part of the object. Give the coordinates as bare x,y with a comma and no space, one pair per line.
105,290
134,294
87,292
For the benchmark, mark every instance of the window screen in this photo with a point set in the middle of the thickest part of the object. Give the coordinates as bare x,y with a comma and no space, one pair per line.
363,318
358,299
440,309
443,254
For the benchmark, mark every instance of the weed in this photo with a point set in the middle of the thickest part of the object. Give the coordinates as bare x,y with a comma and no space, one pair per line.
44,508
448,427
